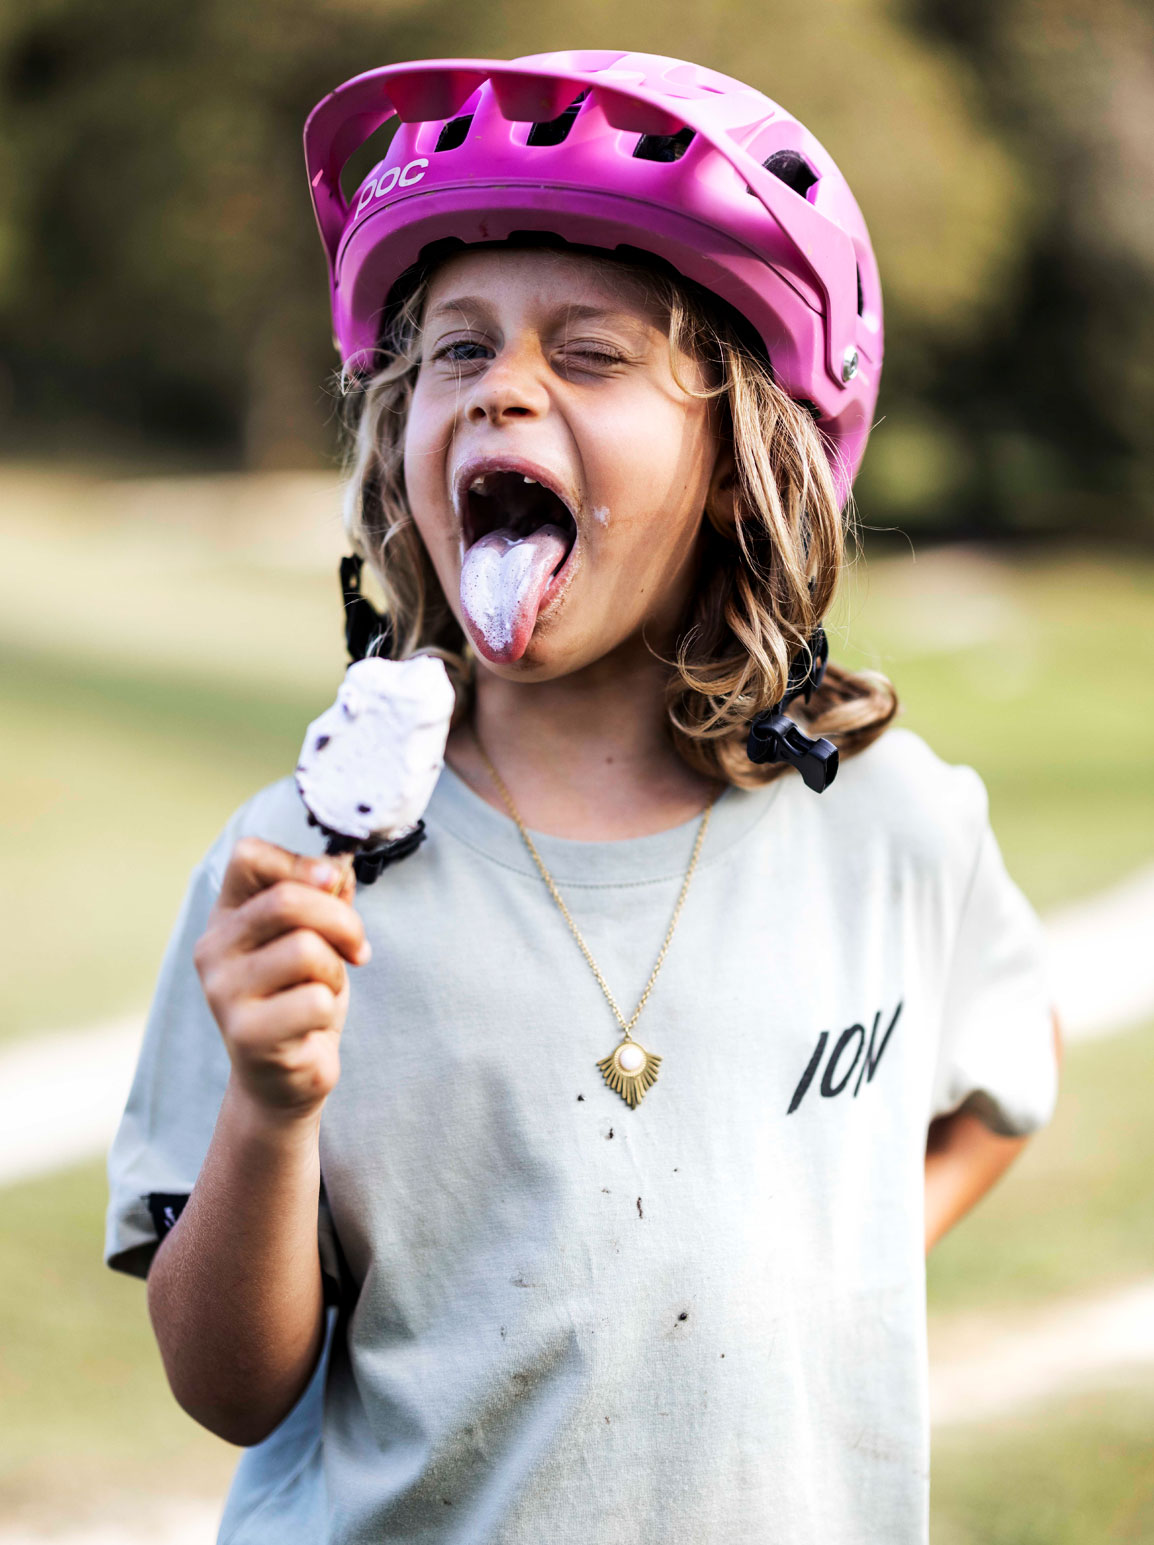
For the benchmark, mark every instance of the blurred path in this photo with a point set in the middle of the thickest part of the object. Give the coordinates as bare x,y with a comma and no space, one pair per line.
180,1522
981,1369
1101,959
61,1095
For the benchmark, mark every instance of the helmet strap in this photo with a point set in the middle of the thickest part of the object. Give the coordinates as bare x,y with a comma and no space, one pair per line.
775,738
366,630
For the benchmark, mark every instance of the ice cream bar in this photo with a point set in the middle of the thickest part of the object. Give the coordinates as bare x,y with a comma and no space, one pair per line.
369,764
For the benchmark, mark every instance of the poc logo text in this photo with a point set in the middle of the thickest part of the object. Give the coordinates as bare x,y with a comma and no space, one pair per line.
395,177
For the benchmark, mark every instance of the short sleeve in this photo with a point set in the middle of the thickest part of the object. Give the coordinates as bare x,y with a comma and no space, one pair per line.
996,1052
176,1093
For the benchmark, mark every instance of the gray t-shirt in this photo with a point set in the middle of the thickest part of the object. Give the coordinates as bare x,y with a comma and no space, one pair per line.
559,1319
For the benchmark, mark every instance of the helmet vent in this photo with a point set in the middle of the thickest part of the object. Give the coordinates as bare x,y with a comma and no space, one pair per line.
454,132
369,154
860,294
792,169
554,131
663,147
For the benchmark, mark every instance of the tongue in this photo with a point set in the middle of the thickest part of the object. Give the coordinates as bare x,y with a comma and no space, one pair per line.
503,579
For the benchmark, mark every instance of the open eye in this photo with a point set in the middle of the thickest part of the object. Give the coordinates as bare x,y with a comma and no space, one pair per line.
461,351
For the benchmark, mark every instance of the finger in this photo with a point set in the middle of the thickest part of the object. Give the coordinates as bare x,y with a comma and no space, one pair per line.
263,1024
300,956
287,906
256,865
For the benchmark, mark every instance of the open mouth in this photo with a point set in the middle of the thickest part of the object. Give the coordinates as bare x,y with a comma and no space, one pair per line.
517,503
517,536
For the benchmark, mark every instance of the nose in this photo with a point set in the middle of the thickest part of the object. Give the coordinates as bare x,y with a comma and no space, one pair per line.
511,387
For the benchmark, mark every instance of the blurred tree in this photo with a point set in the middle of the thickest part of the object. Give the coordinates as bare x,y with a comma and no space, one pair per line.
1055,408
161,280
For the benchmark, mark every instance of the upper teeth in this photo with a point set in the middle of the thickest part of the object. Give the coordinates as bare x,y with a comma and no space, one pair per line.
480,485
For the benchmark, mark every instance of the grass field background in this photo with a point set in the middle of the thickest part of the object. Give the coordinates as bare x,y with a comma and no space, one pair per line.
163,644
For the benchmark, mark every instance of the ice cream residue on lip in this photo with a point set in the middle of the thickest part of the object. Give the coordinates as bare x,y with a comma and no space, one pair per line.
503,582
369,763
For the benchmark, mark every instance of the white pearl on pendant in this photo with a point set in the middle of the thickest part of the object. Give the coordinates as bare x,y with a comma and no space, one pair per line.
630,1057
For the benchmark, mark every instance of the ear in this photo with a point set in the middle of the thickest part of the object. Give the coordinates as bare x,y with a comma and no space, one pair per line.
721,500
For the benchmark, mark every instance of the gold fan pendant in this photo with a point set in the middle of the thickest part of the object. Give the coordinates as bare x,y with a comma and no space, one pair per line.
630,1071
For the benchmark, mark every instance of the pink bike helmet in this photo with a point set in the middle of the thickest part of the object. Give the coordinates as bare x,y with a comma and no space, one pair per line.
612,151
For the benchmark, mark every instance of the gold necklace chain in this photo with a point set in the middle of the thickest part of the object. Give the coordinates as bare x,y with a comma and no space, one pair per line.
626,1025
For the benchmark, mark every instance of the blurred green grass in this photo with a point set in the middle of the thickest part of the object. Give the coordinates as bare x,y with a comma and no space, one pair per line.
1036,671
1076,1211
162,645
87,1422
1079,1471
121,783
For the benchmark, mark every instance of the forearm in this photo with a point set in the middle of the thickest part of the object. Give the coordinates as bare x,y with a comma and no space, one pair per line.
235,1289
963,1160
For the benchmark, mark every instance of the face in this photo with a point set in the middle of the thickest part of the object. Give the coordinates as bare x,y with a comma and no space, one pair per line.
556,470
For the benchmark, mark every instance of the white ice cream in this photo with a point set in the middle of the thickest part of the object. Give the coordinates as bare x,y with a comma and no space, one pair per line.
369,764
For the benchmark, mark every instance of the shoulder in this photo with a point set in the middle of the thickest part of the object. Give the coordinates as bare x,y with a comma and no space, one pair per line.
899,792
903,776
275,814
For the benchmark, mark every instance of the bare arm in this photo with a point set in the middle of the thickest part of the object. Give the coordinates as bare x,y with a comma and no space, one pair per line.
234,1291
963,1160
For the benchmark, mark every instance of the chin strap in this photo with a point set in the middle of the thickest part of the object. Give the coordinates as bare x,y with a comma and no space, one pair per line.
774,738
364,625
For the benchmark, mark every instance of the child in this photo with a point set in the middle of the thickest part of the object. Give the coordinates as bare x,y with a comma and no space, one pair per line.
614,324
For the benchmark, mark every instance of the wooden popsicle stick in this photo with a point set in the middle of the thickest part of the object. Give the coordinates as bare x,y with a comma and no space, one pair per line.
344,863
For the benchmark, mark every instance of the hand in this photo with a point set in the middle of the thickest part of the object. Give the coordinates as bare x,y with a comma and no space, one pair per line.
272,962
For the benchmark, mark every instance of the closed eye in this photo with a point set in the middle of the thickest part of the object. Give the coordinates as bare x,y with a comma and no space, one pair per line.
592,355
599,356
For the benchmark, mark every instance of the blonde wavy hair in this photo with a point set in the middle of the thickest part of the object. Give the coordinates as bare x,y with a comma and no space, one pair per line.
770,561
